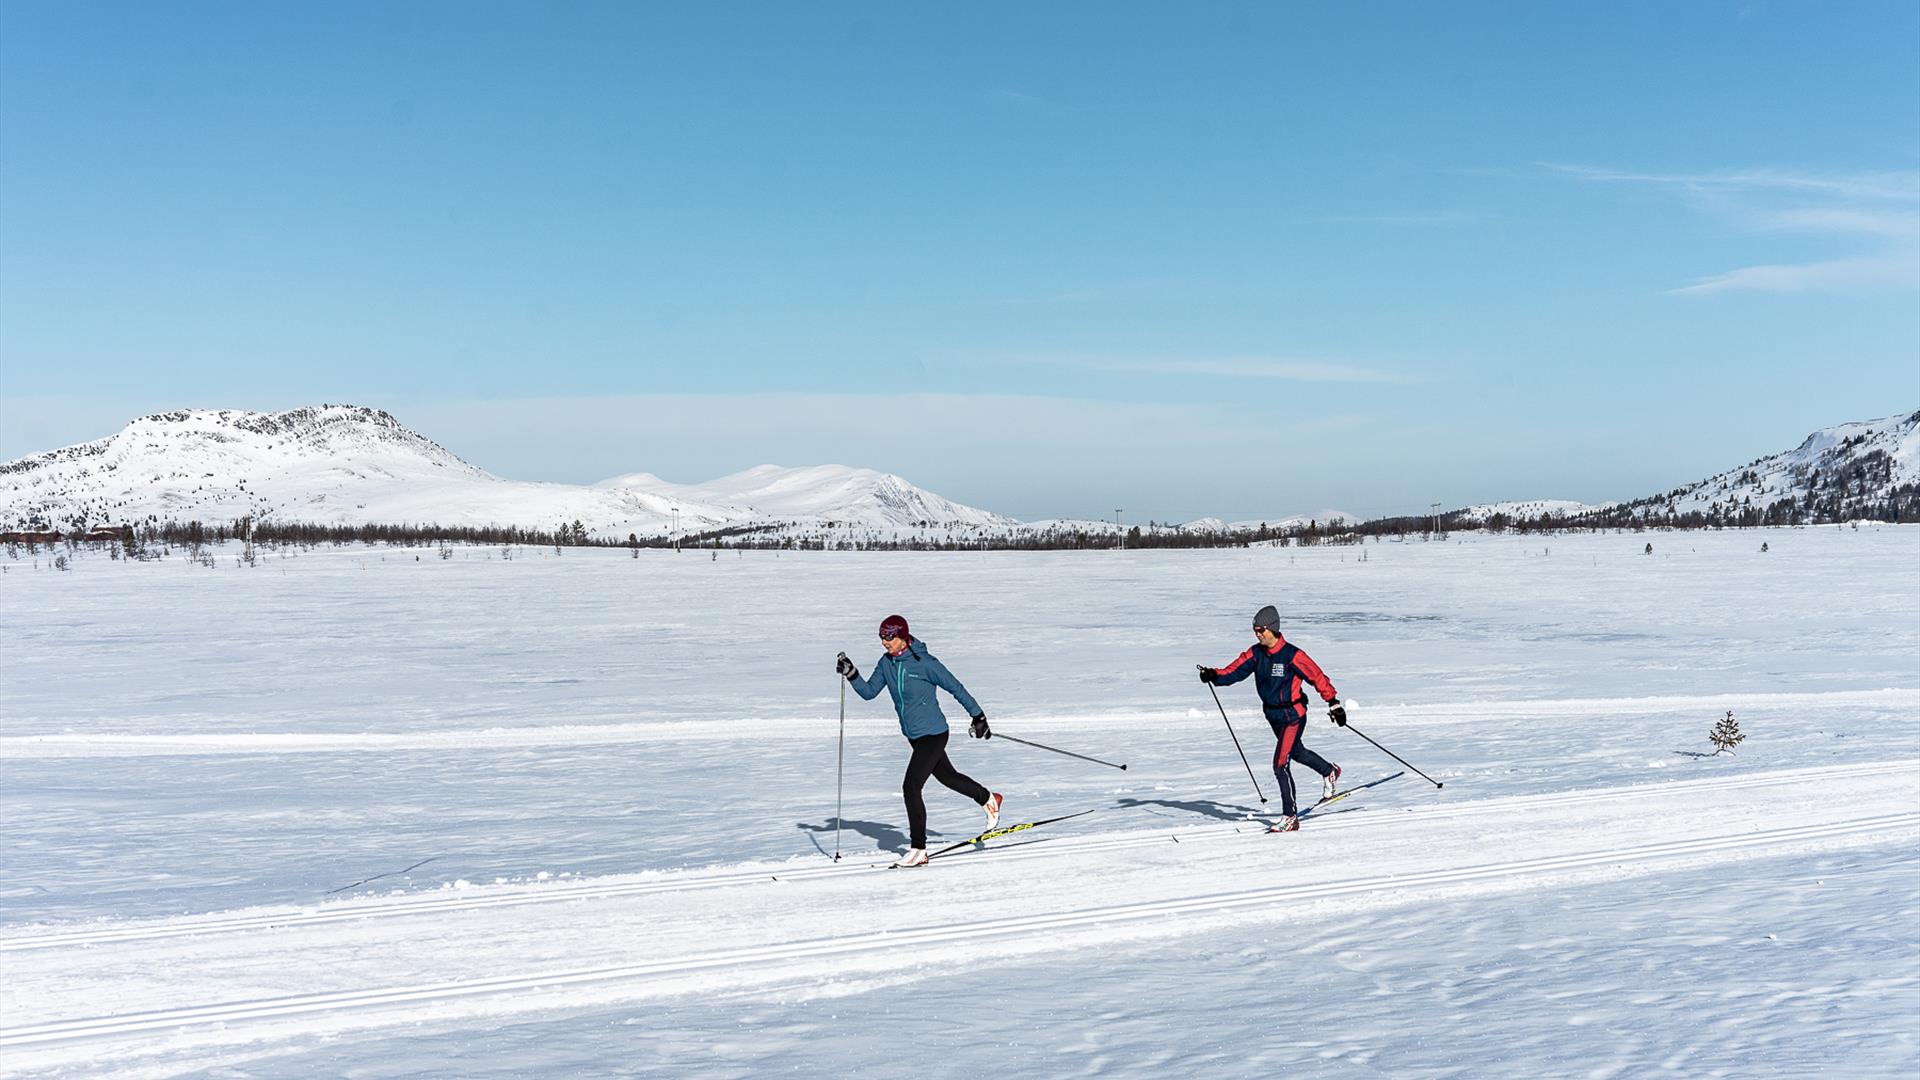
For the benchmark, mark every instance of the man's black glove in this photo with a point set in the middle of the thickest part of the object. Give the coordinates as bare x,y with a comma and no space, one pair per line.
845,667
1208,675
1337,712
980,728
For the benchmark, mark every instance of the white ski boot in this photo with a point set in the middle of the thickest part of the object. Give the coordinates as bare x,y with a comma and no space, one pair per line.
1332,781
992,807
915,857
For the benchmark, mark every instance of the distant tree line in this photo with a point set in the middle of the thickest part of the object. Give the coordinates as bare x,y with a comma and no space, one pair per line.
1862,491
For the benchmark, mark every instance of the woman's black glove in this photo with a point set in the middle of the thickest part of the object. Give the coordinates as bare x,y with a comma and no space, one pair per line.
980,728
845,667
1337,712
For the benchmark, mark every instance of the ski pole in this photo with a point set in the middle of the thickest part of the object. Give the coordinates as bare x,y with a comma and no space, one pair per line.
1236,740
1437,784
1057,750
840,777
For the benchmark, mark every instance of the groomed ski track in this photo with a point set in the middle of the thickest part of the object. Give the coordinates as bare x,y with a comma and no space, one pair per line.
1398,717
251,976
1040,846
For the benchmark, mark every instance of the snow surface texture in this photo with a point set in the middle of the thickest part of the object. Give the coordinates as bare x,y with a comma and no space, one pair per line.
353,813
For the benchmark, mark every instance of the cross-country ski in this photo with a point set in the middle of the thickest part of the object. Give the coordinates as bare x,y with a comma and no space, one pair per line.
1284,826
1005,830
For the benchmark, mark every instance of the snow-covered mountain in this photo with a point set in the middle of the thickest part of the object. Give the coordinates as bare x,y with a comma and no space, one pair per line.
345,464
1322,518
846,497
1527,508
1864,469
1842,471
349,465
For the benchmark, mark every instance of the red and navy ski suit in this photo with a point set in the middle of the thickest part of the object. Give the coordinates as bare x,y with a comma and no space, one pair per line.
1277,675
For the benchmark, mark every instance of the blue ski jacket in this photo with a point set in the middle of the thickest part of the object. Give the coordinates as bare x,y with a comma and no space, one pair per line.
911,679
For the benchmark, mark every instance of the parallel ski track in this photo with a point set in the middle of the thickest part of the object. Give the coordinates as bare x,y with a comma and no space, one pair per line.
133,744
894,941
723,879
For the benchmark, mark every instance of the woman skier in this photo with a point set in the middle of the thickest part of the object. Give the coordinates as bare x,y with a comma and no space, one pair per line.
910,674
1278,669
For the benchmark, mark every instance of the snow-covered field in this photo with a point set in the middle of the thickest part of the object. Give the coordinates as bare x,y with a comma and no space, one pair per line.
370,812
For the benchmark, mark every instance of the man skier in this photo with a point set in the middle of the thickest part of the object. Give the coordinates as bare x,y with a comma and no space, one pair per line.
1278,669
910,674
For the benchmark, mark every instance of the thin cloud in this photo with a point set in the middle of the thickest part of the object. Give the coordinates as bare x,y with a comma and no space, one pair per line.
977,448
1857,204
1900,185
1831,276
1237,367
1846,220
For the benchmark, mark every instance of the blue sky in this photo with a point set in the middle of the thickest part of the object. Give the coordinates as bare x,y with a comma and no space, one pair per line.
1244,260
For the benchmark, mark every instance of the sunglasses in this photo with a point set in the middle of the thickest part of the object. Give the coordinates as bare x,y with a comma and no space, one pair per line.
1263,630
888,637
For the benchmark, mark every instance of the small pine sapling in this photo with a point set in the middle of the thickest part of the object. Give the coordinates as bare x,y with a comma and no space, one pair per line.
1726,734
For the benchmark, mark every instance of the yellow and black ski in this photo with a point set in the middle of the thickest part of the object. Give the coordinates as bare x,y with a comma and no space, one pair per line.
1004,830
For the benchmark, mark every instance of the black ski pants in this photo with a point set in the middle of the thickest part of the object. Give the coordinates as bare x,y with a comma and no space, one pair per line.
1289,749
930,759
